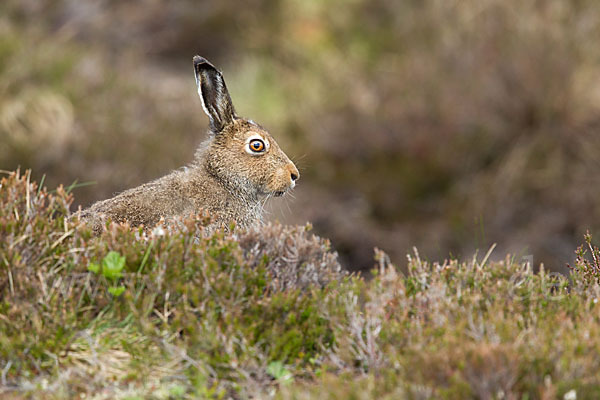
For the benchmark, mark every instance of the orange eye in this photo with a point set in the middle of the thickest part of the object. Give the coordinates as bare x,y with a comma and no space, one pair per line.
256,145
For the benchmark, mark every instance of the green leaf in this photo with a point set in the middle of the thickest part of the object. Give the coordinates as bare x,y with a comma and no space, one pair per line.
177,391
112,265
116,290
93,267
278,371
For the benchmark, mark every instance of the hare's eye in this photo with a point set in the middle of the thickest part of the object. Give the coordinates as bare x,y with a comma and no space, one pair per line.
256,145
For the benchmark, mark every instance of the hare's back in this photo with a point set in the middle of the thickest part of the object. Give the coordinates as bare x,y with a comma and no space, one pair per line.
142,205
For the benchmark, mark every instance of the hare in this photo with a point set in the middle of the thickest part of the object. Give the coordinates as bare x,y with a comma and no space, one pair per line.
234,172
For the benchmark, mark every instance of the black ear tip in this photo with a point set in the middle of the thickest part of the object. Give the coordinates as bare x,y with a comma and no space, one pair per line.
201,61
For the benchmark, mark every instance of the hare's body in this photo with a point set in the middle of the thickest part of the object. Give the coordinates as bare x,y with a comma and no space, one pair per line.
181,193
231,177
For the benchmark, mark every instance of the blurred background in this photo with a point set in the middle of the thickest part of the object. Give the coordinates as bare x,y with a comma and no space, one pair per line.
443,124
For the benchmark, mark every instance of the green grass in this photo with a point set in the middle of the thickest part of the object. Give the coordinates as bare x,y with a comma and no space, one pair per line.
270,312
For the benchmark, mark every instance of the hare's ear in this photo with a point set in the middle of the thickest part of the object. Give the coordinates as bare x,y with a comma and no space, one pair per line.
214,95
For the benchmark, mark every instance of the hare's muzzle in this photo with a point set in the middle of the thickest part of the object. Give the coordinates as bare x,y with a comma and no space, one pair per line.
285,179
294,174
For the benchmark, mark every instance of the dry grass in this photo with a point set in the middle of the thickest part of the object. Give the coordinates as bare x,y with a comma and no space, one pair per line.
270,313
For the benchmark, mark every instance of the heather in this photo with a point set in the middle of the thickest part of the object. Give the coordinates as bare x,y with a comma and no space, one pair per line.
174,313
449,125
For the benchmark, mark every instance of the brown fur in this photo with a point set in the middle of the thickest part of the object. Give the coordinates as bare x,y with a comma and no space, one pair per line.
224,179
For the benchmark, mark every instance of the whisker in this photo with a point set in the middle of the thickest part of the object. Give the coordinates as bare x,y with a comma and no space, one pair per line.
264,202
303,156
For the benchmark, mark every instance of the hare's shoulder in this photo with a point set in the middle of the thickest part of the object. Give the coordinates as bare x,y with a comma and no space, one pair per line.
144,204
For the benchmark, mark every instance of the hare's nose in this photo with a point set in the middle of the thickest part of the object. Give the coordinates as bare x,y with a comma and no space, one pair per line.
294,174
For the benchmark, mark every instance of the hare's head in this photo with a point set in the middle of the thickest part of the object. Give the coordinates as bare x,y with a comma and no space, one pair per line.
240,153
